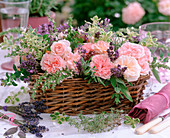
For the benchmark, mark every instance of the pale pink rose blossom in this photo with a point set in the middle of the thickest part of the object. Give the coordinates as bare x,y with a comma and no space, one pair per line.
144,66
65,42
102,65
164,7
132,49
100,47
147,55
88,47
60,47
132,13
133,69
52,63
71,61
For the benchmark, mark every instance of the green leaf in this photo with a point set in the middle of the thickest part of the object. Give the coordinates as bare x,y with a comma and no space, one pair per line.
120,81
67,118
56,113
59,122
125,92
155,73
62,119
7,100
14,67
117,89
54,118
17,99
13,83
63,114
52,115
161,54
166,59
113,81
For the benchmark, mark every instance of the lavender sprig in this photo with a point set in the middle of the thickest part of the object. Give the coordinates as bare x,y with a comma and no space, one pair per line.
113,55
31,115
118,71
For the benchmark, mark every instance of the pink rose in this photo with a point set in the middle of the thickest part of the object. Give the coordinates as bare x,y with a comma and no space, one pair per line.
102,65
61,47
88,47
71,61
132,49
132,13
133,69
144,66
52,63
164,7
147,55
100,47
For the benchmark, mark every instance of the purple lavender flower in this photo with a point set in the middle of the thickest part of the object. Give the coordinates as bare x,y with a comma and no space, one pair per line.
79,67
84,27
30,65
136,39
113,55
97,35
62,28
118,71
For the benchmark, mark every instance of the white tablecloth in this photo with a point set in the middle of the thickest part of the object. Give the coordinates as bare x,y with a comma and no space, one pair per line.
64,130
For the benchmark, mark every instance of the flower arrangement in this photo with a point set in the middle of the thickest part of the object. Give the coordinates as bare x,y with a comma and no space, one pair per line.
93,52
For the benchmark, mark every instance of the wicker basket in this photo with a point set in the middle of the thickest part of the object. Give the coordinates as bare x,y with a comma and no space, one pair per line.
75,95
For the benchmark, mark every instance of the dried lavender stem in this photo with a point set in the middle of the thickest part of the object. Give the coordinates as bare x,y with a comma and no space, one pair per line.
6,117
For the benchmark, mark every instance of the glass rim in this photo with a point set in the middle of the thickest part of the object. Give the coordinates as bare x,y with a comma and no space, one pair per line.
19,2
153,23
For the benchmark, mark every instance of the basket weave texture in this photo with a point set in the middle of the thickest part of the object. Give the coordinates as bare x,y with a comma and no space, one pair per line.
75,95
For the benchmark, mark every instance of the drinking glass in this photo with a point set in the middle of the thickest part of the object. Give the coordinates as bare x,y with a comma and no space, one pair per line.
14,14
161,31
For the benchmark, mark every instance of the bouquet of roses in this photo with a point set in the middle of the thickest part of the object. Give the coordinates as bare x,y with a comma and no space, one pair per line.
93,52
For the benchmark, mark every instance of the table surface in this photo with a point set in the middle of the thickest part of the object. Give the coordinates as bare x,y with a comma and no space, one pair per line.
65,130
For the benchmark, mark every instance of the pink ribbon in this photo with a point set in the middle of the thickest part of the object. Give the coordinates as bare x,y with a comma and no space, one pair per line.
11,119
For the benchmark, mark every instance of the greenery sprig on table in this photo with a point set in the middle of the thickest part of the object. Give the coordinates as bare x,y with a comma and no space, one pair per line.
14,97
96,123
131,121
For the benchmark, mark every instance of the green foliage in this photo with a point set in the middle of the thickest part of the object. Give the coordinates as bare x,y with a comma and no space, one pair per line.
120,88
94,124
30,43
51,80
11,78
94,28
59,118
14,96
131,121
43,7
84,10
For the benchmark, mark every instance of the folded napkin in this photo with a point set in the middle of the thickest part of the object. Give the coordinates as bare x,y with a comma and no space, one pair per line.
152,106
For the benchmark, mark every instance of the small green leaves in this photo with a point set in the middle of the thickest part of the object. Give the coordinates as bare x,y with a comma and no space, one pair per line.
14,96
131,121
98,122
59,118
